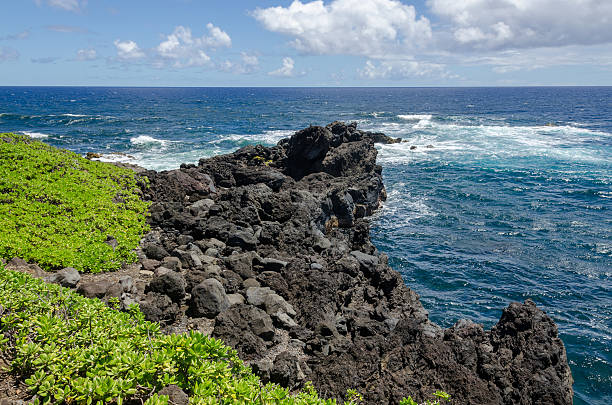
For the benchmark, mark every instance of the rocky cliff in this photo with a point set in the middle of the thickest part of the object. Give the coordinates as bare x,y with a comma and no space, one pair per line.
268,249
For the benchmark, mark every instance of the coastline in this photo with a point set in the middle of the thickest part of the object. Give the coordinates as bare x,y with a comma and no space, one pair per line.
301,292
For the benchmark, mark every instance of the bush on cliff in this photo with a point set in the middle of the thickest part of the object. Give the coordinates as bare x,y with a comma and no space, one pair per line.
59,209
72,349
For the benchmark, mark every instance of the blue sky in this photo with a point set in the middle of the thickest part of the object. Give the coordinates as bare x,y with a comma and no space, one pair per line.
306,43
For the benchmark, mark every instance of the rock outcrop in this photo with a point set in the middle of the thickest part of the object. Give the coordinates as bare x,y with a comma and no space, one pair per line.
268,248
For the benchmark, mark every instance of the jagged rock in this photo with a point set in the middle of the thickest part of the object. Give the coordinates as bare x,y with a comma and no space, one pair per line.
292,222
150,264
154,251
172,263
171,283
66,277
246,328
286,370
235,299
270,264
257,295
208,299
201,206
243,239
242,264
158,307
276,304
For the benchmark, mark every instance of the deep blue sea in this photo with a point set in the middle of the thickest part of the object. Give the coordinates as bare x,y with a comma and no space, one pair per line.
511,200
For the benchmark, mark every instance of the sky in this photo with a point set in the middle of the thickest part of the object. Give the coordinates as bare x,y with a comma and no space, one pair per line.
306,43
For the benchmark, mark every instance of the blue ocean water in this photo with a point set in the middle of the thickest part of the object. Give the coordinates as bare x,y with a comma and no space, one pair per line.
507,196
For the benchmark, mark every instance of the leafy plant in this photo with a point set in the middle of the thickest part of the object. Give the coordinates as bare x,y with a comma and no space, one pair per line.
440,395
71,349
59,209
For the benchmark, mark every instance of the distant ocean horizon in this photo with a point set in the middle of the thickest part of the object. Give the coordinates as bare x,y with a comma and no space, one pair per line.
498,194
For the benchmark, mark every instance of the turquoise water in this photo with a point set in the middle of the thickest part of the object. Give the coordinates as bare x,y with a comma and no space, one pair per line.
507,196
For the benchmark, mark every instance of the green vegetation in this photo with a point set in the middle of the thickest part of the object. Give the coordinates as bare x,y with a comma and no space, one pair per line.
59,209
440,395
77,350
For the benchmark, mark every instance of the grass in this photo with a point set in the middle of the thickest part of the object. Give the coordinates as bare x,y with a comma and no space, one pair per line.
59,209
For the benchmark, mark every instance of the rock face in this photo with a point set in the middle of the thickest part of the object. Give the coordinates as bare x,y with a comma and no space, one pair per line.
272,244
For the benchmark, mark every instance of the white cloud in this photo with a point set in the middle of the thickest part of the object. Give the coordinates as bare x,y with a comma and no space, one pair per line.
354,27
185,50
128,50
8,53
286,70
68,5
86,54
401,69
505,24
248,63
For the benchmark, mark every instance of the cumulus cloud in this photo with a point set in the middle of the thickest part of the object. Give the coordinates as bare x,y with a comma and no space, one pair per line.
128,50
401,69
8,53
86,54
68,5
505,24
352,27
286,70
185,50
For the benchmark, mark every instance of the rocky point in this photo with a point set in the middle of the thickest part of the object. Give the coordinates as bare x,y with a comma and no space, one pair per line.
268,249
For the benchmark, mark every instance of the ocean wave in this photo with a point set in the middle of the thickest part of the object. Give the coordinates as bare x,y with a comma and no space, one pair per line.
38,135
415,117
444,140
269,137
73,115
148,140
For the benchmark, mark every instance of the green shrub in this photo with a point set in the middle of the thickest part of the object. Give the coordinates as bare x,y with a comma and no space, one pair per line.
77,350
59,209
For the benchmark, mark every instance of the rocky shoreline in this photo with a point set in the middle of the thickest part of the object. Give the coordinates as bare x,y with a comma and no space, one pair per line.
268,249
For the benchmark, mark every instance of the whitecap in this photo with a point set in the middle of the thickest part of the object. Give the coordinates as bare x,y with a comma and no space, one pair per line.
38,135
147,140
415,117
74,115
269,137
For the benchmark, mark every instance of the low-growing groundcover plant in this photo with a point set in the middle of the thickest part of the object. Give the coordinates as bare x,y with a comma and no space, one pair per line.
59,209
72,349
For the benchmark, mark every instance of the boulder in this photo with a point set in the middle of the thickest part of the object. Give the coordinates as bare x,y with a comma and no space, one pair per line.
171,283
257,295
66,277
208,299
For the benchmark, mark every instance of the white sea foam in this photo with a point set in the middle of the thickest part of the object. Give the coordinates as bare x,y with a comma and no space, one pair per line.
415,117
446,140
402,204
38,135
270,137
147,140
74,115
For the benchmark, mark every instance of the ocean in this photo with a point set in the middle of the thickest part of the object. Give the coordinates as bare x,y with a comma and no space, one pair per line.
507,195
